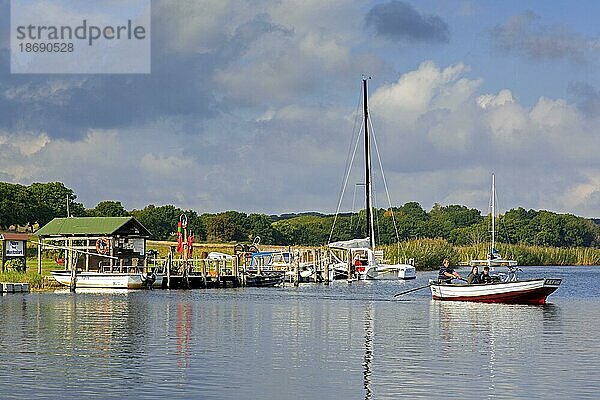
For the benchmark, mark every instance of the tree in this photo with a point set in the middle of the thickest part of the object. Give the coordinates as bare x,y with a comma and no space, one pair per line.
51,200
15,207
261,225
108,209
306,230
162,221
228,226
411,220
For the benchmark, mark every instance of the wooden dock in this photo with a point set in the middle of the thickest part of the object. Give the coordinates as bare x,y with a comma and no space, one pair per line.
233,271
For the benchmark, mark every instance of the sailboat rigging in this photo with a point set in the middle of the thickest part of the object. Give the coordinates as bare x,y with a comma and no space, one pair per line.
361,253
493,258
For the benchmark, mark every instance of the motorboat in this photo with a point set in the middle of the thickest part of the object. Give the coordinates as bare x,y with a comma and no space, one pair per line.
505,289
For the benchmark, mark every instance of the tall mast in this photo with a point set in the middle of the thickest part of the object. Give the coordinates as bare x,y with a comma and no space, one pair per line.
493,213
368,193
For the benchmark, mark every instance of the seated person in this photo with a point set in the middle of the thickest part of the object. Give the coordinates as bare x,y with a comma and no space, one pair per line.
447,273
485,275
473,277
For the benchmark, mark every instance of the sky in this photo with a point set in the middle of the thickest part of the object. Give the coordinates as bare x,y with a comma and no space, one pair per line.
251,105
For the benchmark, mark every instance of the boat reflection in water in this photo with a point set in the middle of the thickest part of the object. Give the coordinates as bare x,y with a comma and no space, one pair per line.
493,341
183,333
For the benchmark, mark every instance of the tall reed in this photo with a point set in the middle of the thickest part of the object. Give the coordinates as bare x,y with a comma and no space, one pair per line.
429,253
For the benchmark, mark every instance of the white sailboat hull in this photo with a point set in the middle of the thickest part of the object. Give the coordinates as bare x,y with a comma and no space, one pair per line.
396,271
106,280
496,262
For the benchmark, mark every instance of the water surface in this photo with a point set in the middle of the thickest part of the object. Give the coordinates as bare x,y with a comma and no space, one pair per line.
343,341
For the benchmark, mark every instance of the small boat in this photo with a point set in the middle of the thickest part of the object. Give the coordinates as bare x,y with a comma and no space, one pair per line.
270,260
109,280
511,290
493,258
264,280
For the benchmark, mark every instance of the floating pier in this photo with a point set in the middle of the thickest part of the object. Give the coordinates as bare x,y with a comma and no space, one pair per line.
9,287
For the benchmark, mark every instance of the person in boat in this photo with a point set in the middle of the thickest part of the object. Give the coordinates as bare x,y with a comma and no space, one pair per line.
447,273
485,275
474,276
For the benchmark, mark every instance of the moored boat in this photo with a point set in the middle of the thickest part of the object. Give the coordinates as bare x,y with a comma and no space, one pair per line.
264,280
361,259
109,280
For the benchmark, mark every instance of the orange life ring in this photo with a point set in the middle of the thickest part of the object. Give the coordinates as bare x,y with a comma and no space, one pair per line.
102,246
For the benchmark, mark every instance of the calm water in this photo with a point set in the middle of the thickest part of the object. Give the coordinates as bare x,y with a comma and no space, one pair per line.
343,341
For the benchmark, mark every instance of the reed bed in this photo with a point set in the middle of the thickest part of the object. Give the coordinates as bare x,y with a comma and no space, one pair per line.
429,253
36,281
426,253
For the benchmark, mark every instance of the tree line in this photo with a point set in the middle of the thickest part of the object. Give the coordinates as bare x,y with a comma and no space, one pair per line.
41,202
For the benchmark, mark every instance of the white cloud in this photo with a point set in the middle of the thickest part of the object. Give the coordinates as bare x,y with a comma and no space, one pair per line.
417,92
491,100
55,91
278,134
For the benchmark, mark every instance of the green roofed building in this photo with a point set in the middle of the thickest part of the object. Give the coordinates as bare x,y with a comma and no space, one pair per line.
94,243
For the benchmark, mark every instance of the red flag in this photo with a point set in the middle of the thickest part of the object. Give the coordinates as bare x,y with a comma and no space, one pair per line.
179,238
179,243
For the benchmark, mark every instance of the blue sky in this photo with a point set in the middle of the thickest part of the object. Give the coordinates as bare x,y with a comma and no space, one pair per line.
250,106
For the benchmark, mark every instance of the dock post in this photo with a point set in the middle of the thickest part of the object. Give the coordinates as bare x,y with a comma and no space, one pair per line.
314,260
39,254
87,255
169,257
326,269
235,270
244,275
218,266
297,270
349,266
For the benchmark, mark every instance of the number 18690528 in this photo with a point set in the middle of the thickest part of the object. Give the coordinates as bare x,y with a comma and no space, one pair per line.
59,47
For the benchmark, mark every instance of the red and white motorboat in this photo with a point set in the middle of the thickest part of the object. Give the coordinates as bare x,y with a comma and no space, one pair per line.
531,291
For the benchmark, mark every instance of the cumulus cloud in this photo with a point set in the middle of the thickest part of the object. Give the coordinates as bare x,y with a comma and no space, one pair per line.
523,34
399,21
250,106
439,135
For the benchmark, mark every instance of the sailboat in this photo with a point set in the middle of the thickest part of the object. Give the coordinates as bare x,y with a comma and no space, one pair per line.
493,257
362,259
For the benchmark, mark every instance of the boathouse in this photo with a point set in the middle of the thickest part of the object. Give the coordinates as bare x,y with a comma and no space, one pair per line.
94,243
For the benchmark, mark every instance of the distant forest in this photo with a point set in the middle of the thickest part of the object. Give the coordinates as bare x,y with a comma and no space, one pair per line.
39,203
